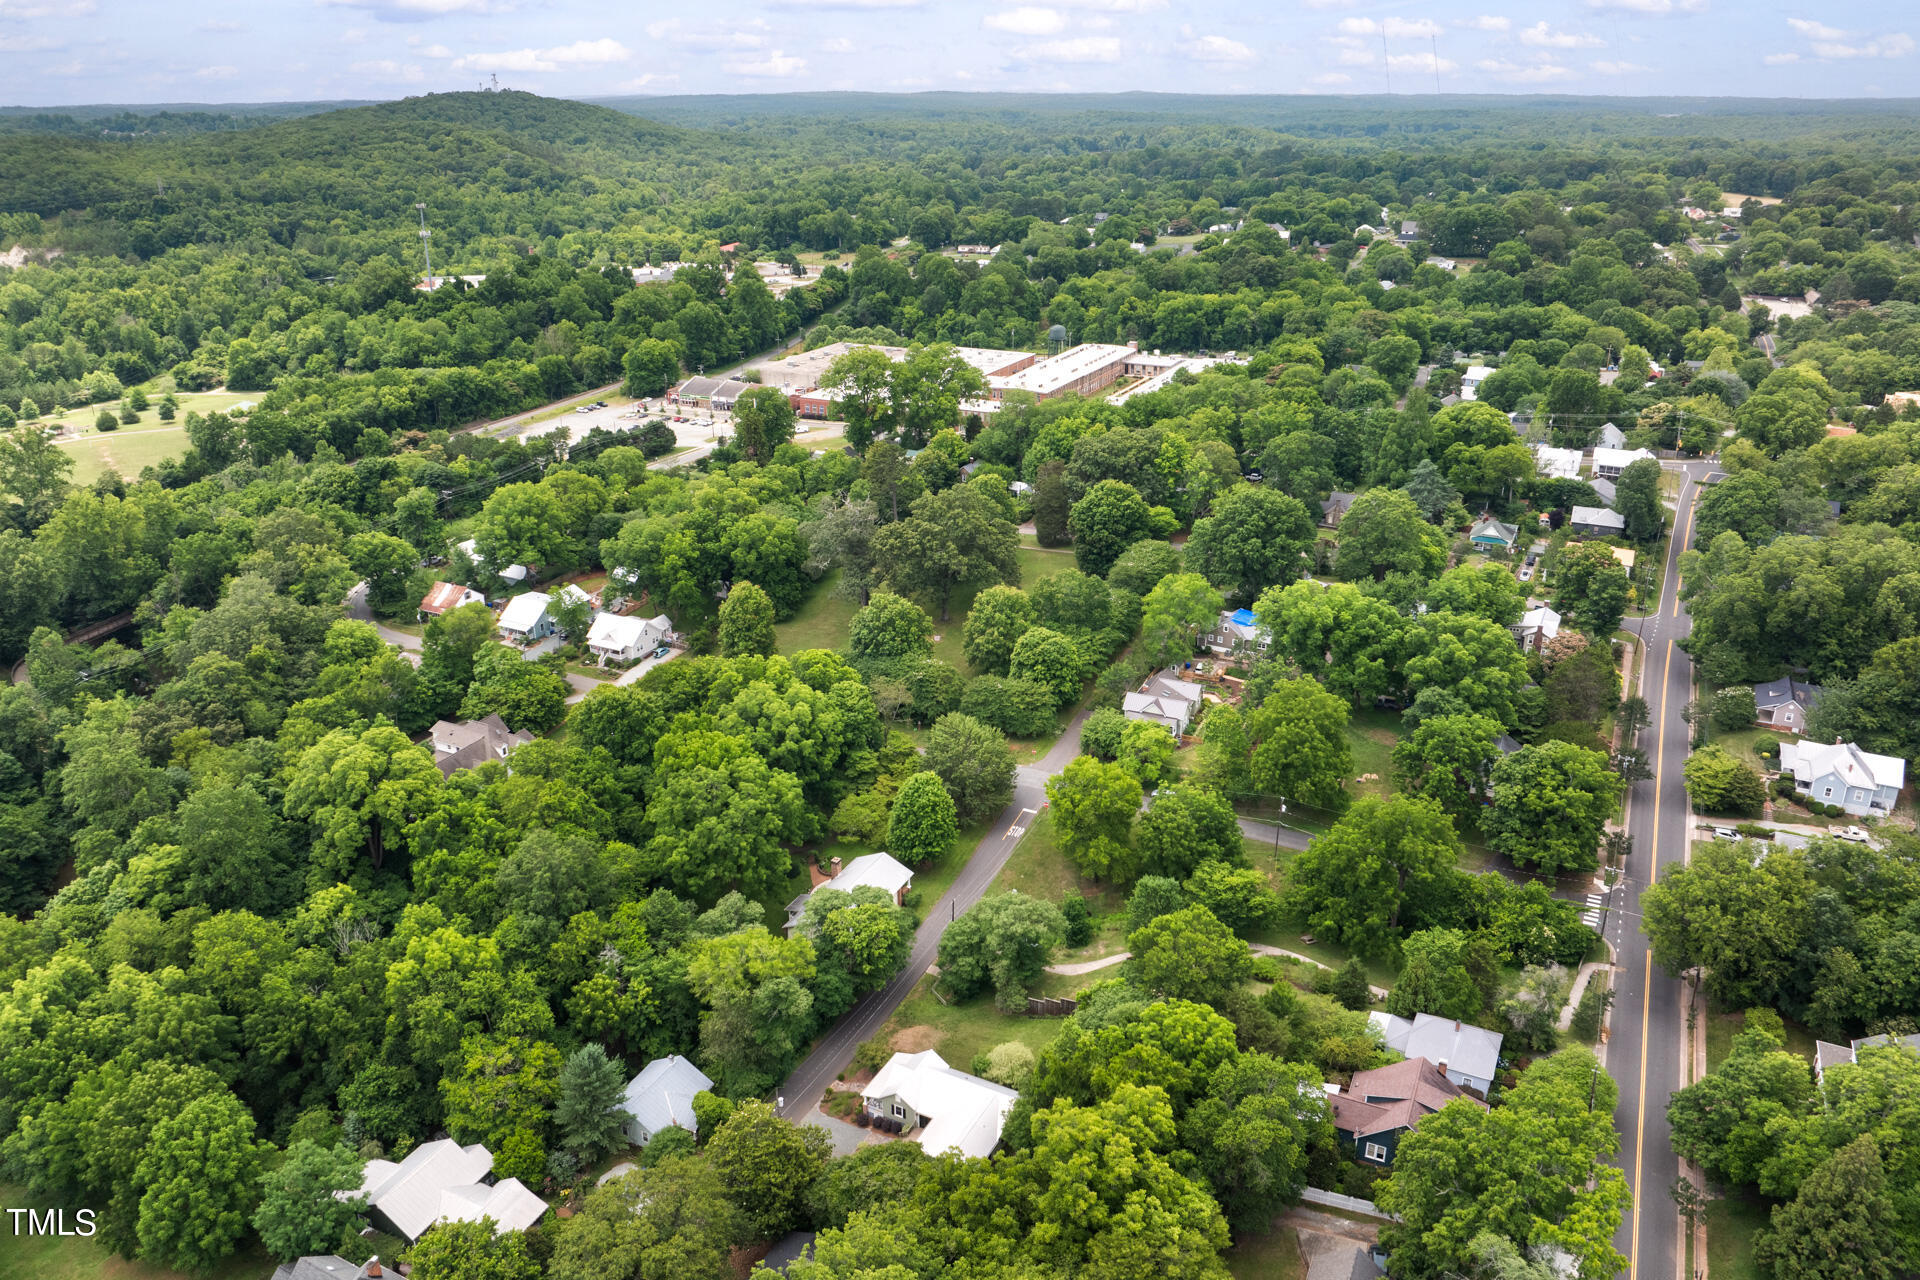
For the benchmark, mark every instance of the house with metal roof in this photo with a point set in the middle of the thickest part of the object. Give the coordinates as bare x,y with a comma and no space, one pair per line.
1827,1055
1165,700
1489,534
1536,629
329,1266
661,1097
952,1110
1609,463
878,870
442,1181
1597,521
512,573
617,638
525,618
1860,782
444,596
1556,464
1465,1054
1612,437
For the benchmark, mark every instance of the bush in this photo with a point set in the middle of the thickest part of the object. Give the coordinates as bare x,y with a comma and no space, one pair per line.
1733,709
1100,735
671,1141
655,439
1754,831
105,421
1593,1007
873,1053
1010,1064
1073,909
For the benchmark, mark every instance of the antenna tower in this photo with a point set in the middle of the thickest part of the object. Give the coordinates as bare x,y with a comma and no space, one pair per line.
425,249
1385,60
1435,41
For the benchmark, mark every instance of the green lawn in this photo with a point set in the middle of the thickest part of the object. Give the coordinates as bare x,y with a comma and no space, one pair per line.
1040,869
1731,1225
77,1258
1035,564
1274,1256
126,452
822,621
959,1031
1371,735
1722,1027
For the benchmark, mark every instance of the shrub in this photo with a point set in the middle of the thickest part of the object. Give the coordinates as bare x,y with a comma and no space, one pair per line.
1100,735
1017,708
1593,1007
1010,1064
1073,909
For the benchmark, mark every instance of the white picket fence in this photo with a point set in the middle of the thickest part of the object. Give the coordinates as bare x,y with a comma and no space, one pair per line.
1352,1204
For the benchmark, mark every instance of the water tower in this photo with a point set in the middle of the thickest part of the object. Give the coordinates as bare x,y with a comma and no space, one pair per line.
1057,338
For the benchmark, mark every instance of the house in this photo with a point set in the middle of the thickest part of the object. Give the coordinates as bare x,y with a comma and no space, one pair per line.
617,638
328,1267
472,742
1536,629
661,1097
1166,700
1605,488
1858,781
875,870
1467,1055
1237,632
445,596
1471,380
442,1181
1488,534
1827,1055
1556,464
1383,1105
1506,744
512,573
525,618
1612,437
1409,232
953,1110
791,1247
1335,508
1609,463
1784,703
1597,521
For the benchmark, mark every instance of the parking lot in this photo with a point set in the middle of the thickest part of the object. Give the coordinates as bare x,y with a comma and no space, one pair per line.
696,431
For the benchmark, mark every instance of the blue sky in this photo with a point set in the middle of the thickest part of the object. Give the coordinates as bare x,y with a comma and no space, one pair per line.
55,52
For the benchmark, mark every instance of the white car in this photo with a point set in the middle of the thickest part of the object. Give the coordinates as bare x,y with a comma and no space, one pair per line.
1856,834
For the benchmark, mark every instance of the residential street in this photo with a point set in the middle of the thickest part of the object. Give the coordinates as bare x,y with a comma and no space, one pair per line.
1649,1012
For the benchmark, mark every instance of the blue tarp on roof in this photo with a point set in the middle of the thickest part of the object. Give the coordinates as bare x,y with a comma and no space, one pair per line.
1244,617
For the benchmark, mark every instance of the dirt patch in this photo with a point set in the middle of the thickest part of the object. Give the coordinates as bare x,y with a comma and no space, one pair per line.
741,1260
1385,737
917,1039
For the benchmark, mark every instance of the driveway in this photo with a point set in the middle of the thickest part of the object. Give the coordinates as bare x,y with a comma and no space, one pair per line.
645,665
357,609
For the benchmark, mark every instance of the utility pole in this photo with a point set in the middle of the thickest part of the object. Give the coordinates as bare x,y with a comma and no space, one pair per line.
1434,41
424,248
1386,61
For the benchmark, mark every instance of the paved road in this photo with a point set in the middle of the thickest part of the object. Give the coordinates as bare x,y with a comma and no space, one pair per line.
1649,1020
834,1051
357,609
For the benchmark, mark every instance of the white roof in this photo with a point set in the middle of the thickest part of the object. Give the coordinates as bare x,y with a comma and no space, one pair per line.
662,1094
1603,457
409,1194
1809,761
615,631
570,593
523,612
1599,517
967,1112
1045,377
1463,1047
877,870
510,1203
1477,373
1557,464
1541,619
512,573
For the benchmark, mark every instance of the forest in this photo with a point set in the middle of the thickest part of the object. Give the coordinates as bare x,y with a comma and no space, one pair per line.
256,936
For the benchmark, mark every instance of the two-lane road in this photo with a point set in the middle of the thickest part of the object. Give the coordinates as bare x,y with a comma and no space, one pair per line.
1649,1020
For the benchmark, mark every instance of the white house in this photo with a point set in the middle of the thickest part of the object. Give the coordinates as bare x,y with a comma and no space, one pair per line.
445,596
1467,1055
525,617
1536,628
953,1110
1471,380
1556,464
617,638
443,1181
1841,773
1609,463
1164,700
661,1097
876,870
1612,437
512,573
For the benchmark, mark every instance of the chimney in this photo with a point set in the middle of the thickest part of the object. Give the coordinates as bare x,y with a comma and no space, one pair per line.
373,1267
1441,1066
1456,1024
835,864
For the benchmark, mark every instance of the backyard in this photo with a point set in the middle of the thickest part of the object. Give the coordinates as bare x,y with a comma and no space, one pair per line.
53,1257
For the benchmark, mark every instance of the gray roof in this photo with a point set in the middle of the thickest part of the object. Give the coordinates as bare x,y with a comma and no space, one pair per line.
1507,533
411,1194
787,1250
1599,518
661,1096
1461,1046
1786,689
326,1266
1605,489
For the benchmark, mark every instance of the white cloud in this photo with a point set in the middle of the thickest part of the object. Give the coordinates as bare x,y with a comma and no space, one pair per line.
1542,36
1524,73
1117,6
1333,77
1780,59
1486,22
1077,49
1392,26
1420,62
220,28
388,69
1027,20
436,51
579,53
1816,30
353,35
709,38
1216,49
848,4
839,44
1609,68
1897,45
216,73
648,80
775,66
29,9
27,44
1658,8
420,10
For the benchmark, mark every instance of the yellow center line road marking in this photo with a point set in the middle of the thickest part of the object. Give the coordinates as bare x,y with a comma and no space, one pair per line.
1646,997
1685,527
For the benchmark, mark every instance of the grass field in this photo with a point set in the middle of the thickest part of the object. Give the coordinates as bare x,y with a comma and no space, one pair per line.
1731,1225
77,1258
821,622
959,1031
1039,868
1723,1027
125,452
1274,1256
1372,735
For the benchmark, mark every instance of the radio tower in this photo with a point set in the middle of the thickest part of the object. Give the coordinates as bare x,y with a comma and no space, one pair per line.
425,249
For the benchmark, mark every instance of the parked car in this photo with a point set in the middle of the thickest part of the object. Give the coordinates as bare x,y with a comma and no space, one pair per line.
1856,834
1725,833
663,651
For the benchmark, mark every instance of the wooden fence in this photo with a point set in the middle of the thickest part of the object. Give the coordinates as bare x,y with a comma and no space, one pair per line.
1055,1008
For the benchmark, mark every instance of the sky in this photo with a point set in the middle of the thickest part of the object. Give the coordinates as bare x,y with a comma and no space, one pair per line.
63,52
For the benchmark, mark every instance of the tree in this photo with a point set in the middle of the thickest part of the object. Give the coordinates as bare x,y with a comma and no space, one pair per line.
767,1166
1719,783
527,695
1093,807
1142,565
1051,504
1746,503
1048,658
1722,1120
928,387
588,1117
1384,532
1179,609
1733,709
1462,1171
717,812
842,539
471,1251
999,617
1351,988
1254,539
33,469
1436,977
1184,828
1385,860
1111,517
650,366
890,626
1252,1136
300,1212
863,381
1637,498
1448,759
671,1222
200,1172
884,467
1223,750
974,762
746,622
1550,803
1188,955
1841,1224
922,826
763,420
359,790
953,538
1002,942
760,1007
1429,489
1741,922
1592,587
1300,750
504,1088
